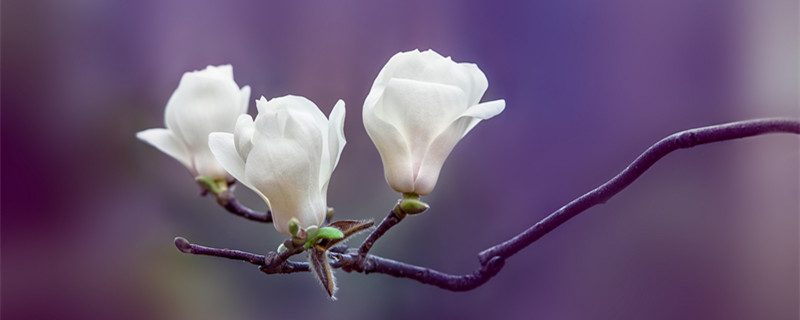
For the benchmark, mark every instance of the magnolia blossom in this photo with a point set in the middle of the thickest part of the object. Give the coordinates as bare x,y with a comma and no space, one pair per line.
421,104
205,101
286,156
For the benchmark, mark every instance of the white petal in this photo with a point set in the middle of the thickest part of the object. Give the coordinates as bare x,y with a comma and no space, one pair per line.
223,72
295,104
483,111
285,172
243,135
171,116
478,82
302,128
261,105
244,97
391,145
436,154
441,147
202,105
420,111
206,165
430,66
168,143
399,60
224,150
336,142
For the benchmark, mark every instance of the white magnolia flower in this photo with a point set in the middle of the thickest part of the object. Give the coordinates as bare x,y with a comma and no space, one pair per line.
420,106
205,101
286,155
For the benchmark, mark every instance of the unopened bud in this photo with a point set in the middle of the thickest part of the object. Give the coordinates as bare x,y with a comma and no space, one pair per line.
413,206
294,226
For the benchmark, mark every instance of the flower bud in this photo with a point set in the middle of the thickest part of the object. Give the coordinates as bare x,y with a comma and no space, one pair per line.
420,105
286,155
205,101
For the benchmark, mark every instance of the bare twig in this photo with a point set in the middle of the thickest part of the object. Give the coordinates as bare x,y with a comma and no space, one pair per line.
227,200
350,262
275,262
493,259
186,247
601,194
392,219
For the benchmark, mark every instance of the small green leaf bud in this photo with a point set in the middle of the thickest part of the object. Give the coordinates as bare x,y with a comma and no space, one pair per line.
329,233
294,226
413,206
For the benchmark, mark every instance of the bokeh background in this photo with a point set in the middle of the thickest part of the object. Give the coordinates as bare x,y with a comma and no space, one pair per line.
89,212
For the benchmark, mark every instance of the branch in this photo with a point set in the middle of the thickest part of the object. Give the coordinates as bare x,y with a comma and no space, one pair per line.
681,140
392,219
271,264
186,247
493,259
227,200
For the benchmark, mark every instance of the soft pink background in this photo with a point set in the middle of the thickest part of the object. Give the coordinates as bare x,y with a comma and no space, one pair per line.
89,212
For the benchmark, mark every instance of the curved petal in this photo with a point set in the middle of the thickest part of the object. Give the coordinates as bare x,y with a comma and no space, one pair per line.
243,135
224,149
436,154
170,116
283,171
165,141
483,111
202,105
392,147
441,147
295,104
478,82
420,111
336,142
397,61
301,128
206,165
430,66
223,72
244,97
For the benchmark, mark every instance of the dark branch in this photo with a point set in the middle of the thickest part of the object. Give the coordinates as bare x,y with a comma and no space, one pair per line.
392,219
493,259
227,200
601,194
271,264
376,264
186,247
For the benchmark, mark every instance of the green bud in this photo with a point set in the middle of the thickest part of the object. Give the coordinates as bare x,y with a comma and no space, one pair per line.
282,248
329,233
413,206
215,186
294,226
311,232
311,236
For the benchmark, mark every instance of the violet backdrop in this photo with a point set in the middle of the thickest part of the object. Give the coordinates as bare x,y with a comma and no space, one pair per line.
89,212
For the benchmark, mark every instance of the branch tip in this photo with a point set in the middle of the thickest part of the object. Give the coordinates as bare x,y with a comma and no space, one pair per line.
183,245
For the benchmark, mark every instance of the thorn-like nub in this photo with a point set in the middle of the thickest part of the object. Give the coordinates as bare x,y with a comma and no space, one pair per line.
183,245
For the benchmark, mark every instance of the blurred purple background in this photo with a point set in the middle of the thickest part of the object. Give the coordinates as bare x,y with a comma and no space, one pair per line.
89,212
